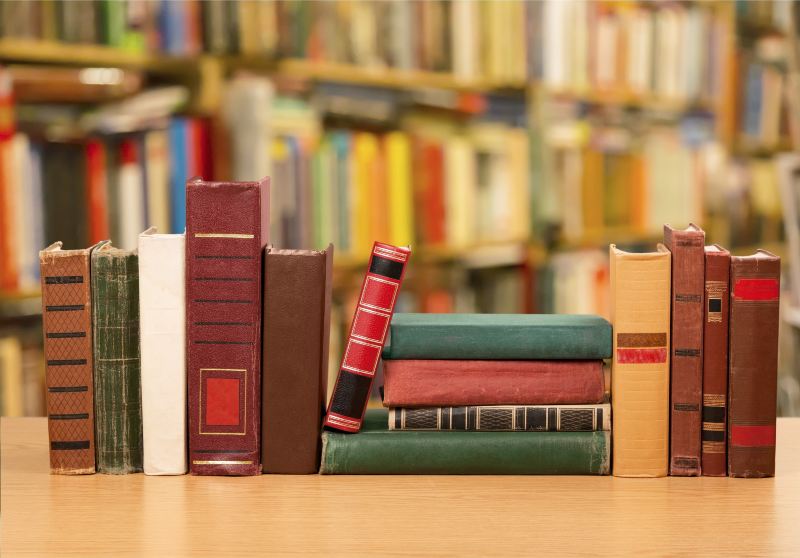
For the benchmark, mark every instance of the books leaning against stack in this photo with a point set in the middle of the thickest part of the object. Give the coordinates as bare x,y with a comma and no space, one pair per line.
485,394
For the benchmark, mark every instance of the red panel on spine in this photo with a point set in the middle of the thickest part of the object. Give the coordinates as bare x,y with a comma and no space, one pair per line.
756,289
753,436
642,356
222,404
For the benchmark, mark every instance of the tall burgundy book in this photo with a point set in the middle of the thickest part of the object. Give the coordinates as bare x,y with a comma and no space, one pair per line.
227,225
715,360
366,337
686,377
753,360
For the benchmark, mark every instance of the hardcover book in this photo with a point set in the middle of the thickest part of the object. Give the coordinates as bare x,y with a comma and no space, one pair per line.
686,374
498,337
67,325
378,451
501,418
117,370
162,312
640,312
421,383
753,360
715,360
365,339
297,304
227,225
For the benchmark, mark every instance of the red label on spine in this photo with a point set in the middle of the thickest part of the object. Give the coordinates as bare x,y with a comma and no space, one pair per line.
756,289
641,356
753,436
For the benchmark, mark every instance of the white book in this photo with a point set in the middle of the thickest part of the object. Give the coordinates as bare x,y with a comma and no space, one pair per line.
464,38
156,157
162,315
131,200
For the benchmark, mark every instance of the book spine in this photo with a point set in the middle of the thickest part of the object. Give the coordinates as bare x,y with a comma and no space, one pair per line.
366,337
504,418
117,372
753,359
67,325
640,309
162,310
422,383
226,231
179,162
686,375
297,296
715,363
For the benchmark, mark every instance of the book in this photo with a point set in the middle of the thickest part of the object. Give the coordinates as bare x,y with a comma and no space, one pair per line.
67,329
11,380
297,304
753,364
498,337
162,314
378,451
715,360
227,227
501,418
419,383
686,372
365,339
640,313
117,366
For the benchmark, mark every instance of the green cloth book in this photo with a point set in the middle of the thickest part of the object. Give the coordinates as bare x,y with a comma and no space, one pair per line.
117,369
498,337
377,451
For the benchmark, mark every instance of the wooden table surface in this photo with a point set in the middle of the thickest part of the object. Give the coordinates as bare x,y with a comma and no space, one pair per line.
430,516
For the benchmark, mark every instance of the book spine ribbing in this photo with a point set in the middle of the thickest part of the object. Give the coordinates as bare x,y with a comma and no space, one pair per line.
366,337
504,418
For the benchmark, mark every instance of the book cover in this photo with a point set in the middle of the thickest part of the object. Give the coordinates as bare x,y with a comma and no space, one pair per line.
640,313
378,451
504,418
498,337
162,314
686,373
117,367
715,360
297,303
67,329
227,227
366,337
420,383
753,362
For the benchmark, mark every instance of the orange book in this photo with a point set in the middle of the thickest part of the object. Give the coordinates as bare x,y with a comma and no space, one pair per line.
96,191
9,273
433,191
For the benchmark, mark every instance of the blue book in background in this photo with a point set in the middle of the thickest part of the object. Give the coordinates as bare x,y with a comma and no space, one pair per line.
171,21
179,165
36,208
752,109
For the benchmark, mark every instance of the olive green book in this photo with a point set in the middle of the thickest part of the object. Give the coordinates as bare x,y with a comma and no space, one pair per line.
117,369
377,451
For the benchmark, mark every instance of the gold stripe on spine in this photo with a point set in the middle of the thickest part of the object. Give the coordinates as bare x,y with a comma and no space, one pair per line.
223,235
713,400
714,426
200,411
383,252
218,462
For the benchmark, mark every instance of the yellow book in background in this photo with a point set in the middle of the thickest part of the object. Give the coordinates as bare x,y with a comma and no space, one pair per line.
519,171
397,148
764,193
11,376
460,172
363,185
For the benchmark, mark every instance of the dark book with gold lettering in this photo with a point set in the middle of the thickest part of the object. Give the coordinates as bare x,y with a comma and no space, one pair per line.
227,225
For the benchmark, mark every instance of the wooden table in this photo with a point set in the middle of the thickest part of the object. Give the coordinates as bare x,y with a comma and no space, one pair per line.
429,516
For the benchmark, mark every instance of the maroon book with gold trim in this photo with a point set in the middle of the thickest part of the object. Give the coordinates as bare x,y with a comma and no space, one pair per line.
753,359
686,370
227,225
367,335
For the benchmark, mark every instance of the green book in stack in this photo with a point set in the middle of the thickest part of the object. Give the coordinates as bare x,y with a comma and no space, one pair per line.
377,451
498,337
117,369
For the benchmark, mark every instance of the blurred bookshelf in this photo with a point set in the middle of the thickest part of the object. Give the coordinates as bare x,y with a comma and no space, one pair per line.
508,142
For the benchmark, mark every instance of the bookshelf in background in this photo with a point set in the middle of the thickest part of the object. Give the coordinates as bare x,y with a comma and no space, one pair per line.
510,142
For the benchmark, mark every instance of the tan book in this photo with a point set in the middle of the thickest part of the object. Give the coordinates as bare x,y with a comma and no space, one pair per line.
640,314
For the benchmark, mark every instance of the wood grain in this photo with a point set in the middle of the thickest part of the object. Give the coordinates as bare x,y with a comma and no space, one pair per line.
431,516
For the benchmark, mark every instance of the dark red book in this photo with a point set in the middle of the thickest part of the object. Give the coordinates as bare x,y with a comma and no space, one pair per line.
442,383
227,225
686,368
433,188
715,360
366,337
96,190
753,361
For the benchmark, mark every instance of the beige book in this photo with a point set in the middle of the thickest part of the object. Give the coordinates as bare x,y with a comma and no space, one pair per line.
640,314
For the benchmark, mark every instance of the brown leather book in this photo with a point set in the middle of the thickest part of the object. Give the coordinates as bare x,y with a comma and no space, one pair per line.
67,324
715,360
227,224
753,360
686,372
297,306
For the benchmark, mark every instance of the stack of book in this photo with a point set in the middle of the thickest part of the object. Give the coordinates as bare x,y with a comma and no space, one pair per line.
485,394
